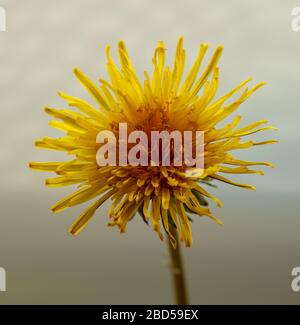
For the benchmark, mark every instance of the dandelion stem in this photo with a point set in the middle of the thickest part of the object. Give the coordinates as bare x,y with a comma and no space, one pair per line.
177,270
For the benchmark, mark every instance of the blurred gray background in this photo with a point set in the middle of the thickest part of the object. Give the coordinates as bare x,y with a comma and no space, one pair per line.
248,260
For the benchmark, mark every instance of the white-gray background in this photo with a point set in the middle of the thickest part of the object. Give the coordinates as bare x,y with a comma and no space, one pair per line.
249,259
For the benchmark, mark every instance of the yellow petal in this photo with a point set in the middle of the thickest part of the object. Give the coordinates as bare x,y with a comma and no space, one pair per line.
90,86
165,197
228,181
86,216
45,166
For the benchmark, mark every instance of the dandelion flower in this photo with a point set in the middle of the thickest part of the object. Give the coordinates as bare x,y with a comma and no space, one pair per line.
163,195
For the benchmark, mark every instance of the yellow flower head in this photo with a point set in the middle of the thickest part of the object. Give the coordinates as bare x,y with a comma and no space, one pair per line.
164,195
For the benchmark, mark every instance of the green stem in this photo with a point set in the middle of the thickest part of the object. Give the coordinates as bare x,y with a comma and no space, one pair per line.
177,270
